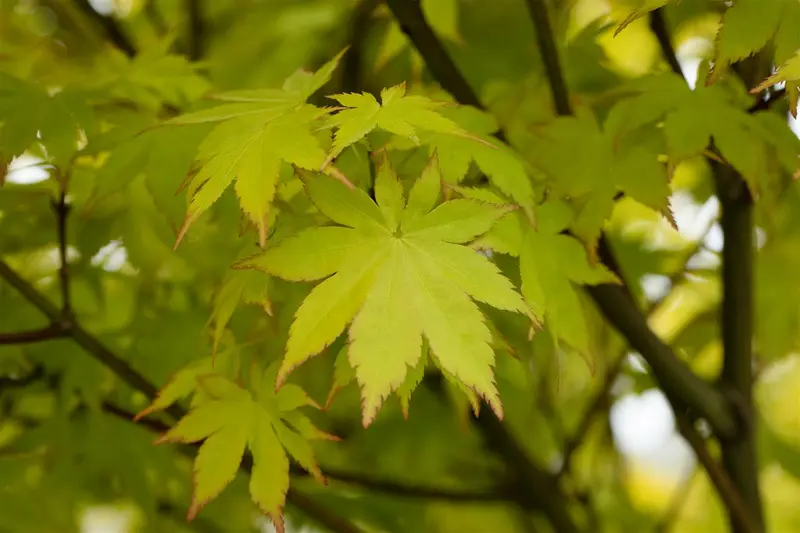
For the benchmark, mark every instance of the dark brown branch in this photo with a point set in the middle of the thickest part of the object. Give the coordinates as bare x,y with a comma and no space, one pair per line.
739,454
196,28
53,331
719,478
112,30
546,41
61,209
351,64
408,14
658,25
535,488
676,504
499,493
7,383
763,104
599,405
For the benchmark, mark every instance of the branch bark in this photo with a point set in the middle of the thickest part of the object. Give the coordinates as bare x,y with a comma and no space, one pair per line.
739,455
53,331
112,30
196,31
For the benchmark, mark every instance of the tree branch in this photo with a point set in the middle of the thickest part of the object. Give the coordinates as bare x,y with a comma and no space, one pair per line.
719,477
739,450
501,493
112,30
408,14
738,454
83,338
53,331
351,63
196,28
16,383
61,209
658,25
536,489
546,41
676,504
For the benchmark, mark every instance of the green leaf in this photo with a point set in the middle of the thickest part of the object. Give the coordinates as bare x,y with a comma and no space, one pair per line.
746,27
252,151
456,221
549,266
228,423
343,375
389,193
399,114
398,288
345,206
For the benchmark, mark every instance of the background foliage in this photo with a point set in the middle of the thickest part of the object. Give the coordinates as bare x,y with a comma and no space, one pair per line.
396,266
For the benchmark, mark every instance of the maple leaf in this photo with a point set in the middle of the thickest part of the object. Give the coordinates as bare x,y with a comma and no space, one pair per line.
238,286
550,265
396,270
747,26
693,118
604,167
259,133
252,150
396,113
29,114
229,420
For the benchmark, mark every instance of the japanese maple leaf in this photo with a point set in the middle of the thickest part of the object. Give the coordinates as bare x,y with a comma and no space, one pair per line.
551,264
259,131
396,269
396,113
229,420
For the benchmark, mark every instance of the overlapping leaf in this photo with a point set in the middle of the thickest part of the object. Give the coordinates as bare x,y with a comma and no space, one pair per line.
28,113
749,25
396,271
229,420
588,164
398,113
550,264
259,132
692,118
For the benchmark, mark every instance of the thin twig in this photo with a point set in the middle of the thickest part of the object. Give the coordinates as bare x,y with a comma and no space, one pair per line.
7,383
599,405
719,476
546,41
678,500
196,28
83,338
351,64
499,493
53,331
763,104
658,25
112,30
61,209
740,475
